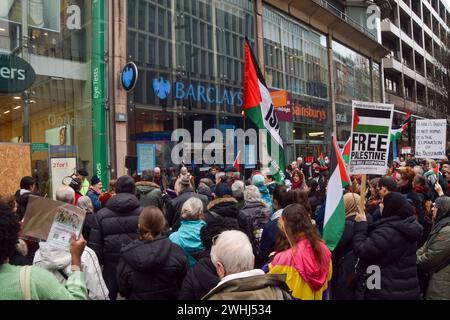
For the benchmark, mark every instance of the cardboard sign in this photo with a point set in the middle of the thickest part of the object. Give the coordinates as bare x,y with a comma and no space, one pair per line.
371,127
41,213
431,138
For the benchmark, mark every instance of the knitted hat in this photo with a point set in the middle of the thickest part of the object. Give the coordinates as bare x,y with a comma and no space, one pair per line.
125,184
185,180
222,189
95,180
258,180
83,172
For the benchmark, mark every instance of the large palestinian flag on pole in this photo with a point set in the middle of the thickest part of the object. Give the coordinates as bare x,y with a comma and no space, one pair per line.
334,222
258,107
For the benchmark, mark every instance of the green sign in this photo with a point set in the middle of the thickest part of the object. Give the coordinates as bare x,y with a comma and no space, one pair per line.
99,143
38,147
16,75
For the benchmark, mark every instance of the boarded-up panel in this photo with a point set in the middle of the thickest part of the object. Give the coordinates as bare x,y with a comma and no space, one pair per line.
15,163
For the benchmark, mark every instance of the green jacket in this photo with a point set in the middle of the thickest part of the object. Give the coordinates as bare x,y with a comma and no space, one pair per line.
149,194
44,285
433,253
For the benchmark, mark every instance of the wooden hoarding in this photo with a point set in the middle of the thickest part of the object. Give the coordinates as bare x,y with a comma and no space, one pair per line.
15,163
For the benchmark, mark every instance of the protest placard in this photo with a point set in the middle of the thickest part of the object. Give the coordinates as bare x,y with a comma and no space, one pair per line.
431,138
53,221
371,128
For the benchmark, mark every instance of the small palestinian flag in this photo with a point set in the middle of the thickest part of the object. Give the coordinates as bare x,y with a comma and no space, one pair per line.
346,151
258,107
371,121
396,134
334,222
237,161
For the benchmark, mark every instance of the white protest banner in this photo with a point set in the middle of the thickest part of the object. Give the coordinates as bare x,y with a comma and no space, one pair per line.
431,138
371,127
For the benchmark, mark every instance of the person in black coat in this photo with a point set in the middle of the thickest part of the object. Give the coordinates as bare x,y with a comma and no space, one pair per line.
391,245
152,267
116,225
223,205
185,191
344,259
203,277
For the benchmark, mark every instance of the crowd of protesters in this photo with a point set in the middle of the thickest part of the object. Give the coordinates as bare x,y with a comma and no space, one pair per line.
176,234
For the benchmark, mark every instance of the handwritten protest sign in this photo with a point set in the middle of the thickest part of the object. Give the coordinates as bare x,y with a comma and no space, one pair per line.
431,138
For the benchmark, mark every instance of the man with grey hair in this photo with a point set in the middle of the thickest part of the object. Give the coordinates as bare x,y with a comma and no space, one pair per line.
65,194
237,190
232,256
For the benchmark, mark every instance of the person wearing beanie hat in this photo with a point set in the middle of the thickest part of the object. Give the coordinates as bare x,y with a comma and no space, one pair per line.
94,193
223,205
117,225
258,181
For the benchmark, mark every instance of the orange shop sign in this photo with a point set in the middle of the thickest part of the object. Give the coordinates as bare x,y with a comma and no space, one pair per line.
309,112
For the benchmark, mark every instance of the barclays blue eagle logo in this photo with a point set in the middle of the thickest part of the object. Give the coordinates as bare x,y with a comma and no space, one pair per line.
161,88
127,77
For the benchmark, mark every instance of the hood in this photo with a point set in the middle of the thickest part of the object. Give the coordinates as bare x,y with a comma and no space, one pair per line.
307,266
225,207
408,227
395,204
254,204
146,186
188,236
123,203
147,255
51,258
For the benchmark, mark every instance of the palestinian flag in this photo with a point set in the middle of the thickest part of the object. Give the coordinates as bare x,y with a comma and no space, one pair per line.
334,222
396,134
346,151
258,107
237,161
371,121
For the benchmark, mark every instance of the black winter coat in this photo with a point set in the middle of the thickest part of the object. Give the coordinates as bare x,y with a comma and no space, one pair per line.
344,261
173,209
200,279
391,245
151,270
252,219
116,226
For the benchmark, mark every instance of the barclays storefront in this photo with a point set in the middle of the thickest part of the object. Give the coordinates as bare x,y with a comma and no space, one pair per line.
190,60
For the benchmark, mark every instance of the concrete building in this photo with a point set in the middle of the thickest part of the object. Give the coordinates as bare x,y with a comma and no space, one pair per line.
415,32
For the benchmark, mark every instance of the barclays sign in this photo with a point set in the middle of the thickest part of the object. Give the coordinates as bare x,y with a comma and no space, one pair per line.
208,94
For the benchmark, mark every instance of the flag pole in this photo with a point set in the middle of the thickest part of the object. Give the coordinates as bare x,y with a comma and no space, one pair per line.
363,191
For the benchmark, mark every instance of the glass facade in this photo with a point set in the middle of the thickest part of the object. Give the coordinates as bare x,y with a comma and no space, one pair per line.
190,56
54,38
296,60
354,80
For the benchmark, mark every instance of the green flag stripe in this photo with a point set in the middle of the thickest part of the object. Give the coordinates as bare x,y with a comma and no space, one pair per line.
372,129
334,228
